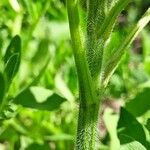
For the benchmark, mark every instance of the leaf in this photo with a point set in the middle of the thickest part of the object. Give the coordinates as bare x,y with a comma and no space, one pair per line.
39,98
111,45
2,87
12,58
141,101
117,55
110,20
128,125
13,48
134,145
12,67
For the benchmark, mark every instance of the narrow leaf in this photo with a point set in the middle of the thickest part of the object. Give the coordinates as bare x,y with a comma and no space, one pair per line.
115,59
39,98
110,20
14,47
12,67
12,58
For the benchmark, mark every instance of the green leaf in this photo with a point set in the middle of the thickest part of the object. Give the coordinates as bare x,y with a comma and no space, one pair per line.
128,125
133,145
12,67
12,58
117,55
39,98
140,103
13,48
2,87
110,20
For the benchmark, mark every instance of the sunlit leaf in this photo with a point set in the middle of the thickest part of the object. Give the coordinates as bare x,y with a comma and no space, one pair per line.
128,125
110,20
39,98
141,101
134,145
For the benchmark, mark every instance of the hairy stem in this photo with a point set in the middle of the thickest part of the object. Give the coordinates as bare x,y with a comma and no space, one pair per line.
87,127
88,88
84,77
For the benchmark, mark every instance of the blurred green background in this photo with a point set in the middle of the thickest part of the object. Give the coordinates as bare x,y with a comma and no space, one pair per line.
44,31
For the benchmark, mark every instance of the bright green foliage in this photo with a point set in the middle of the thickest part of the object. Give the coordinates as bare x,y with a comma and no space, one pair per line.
38,81
126,124
31,109
40,98
115,59
133,145
141,100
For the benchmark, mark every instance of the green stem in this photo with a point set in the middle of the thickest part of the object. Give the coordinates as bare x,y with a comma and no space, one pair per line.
88,88
87,127
85,80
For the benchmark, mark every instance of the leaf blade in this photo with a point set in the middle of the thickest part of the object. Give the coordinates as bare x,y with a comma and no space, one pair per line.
13,47
12,67
134,145
128,125
110,20
31,98
115,59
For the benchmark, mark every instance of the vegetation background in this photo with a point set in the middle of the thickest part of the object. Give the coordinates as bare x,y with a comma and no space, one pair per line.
47,59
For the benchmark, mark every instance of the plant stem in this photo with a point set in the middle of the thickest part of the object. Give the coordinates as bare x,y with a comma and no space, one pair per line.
87,127
88,88
84,77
